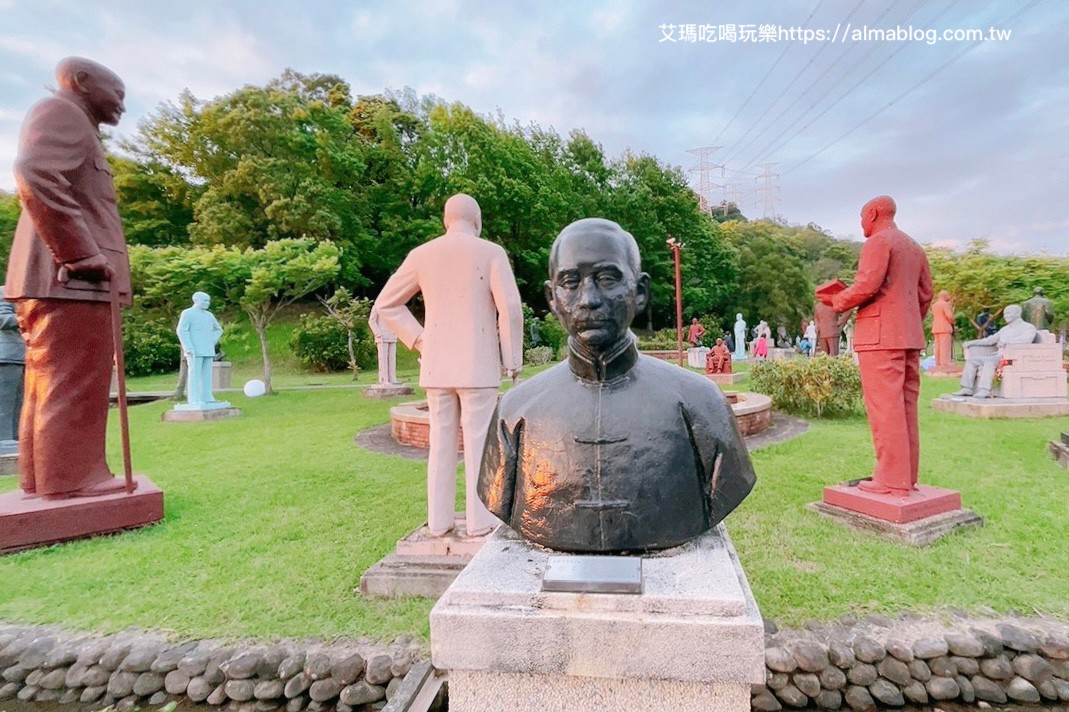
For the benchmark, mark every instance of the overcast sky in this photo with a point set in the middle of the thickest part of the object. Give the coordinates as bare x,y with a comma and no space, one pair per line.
969,137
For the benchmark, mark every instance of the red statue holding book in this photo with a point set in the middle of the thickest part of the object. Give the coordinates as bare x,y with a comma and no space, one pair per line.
892,292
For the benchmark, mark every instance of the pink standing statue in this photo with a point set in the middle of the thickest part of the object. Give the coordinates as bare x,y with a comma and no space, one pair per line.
473,327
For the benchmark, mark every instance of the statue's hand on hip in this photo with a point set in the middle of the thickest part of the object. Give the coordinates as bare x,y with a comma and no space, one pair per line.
95,268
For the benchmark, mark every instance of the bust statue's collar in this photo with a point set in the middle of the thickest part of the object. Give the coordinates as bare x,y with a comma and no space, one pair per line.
612,364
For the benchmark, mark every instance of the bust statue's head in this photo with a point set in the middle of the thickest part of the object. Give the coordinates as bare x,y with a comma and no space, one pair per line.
201,300
596,284
462,214
738,317
1038,291
944,296
1012,313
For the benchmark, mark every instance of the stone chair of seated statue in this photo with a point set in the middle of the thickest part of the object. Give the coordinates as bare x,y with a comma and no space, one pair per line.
984,355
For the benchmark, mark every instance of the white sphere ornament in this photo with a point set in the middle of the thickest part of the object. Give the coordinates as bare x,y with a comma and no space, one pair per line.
255,388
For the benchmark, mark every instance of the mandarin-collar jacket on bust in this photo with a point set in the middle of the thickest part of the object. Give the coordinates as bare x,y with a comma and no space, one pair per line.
614,454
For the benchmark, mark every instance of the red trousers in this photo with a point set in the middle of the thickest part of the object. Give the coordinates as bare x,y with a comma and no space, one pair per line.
69,355
891,384
828,345
944,344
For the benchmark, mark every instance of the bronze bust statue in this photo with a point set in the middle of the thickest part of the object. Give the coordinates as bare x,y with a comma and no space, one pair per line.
610,451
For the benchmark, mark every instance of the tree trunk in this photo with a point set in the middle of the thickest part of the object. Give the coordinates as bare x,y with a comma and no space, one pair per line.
261,332
183,375
352,355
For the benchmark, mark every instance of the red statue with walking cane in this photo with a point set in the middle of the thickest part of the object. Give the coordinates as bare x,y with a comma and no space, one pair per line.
68,276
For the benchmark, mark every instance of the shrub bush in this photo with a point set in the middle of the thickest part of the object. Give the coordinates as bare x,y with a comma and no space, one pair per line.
538,356
150,344
661,340
553,334
821,386
320,344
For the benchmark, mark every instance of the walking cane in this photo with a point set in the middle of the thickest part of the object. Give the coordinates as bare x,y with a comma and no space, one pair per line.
120,372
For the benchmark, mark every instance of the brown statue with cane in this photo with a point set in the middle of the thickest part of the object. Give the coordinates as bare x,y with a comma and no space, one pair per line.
68,276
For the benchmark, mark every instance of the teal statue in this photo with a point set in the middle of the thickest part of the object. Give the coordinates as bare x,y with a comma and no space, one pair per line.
199,332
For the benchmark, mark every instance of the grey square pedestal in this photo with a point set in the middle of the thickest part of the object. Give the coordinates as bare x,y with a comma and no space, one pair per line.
692,640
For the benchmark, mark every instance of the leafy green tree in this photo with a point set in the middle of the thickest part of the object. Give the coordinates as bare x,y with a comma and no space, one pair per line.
773,283
261,281
9,218
156,204
351,314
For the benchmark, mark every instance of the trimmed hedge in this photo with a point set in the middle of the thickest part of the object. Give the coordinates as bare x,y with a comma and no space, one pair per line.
820,386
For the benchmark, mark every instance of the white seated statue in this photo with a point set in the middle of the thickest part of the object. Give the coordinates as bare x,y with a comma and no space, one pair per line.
982,356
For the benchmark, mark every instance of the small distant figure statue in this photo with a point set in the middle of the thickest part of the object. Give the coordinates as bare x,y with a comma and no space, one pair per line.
1038,311
943,331
979,373
986,323
760,347
199,332
782,340
729,342
386,341
695,333
811,337
12,372
740,339
718,360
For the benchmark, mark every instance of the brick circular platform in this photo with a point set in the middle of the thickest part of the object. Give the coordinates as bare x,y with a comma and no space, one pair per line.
410,421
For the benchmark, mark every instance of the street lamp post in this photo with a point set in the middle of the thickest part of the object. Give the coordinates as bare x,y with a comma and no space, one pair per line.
676,247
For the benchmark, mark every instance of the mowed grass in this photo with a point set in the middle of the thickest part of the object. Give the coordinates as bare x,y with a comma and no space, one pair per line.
272,517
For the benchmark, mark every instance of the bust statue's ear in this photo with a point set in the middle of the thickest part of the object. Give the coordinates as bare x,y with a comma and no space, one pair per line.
642,292
548,286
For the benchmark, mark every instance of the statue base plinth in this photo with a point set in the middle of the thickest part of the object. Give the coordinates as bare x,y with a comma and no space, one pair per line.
184,414
692,640
1002,407
1059,451
945,371
920,532
923,502
26,523
391,390
725,379
421,564
9,457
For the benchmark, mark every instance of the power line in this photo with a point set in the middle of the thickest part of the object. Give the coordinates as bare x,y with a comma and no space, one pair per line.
734,151
767,75
765,151
831,65
913,88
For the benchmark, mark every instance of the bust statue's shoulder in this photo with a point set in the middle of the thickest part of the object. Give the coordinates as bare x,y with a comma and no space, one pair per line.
693,390
541,389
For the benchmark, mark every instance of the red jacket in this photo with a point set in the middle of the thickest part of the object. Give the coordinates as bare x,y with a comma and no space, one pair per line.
68,206
892,291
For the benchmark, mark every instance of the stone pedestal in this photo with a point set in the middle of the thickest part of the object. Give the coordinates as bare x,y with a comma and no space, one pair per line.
221,373
1059,450
725,379
1002,407
696,356
421,564
692,640
776,353
28,523
945,371
200,412
391,390
919,518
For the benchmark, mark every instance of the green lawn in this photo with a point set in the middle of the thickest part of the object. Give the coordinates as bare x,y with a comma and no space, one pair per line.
272,517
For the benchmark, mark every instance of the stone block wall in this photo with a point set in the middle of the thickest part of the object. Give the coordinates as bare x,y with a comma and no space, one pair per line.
133,669
878,663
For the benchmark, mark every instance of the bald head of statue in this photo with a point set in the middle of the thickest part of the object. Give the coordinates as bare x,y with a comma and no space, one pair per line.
878,214
94,86
462,214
